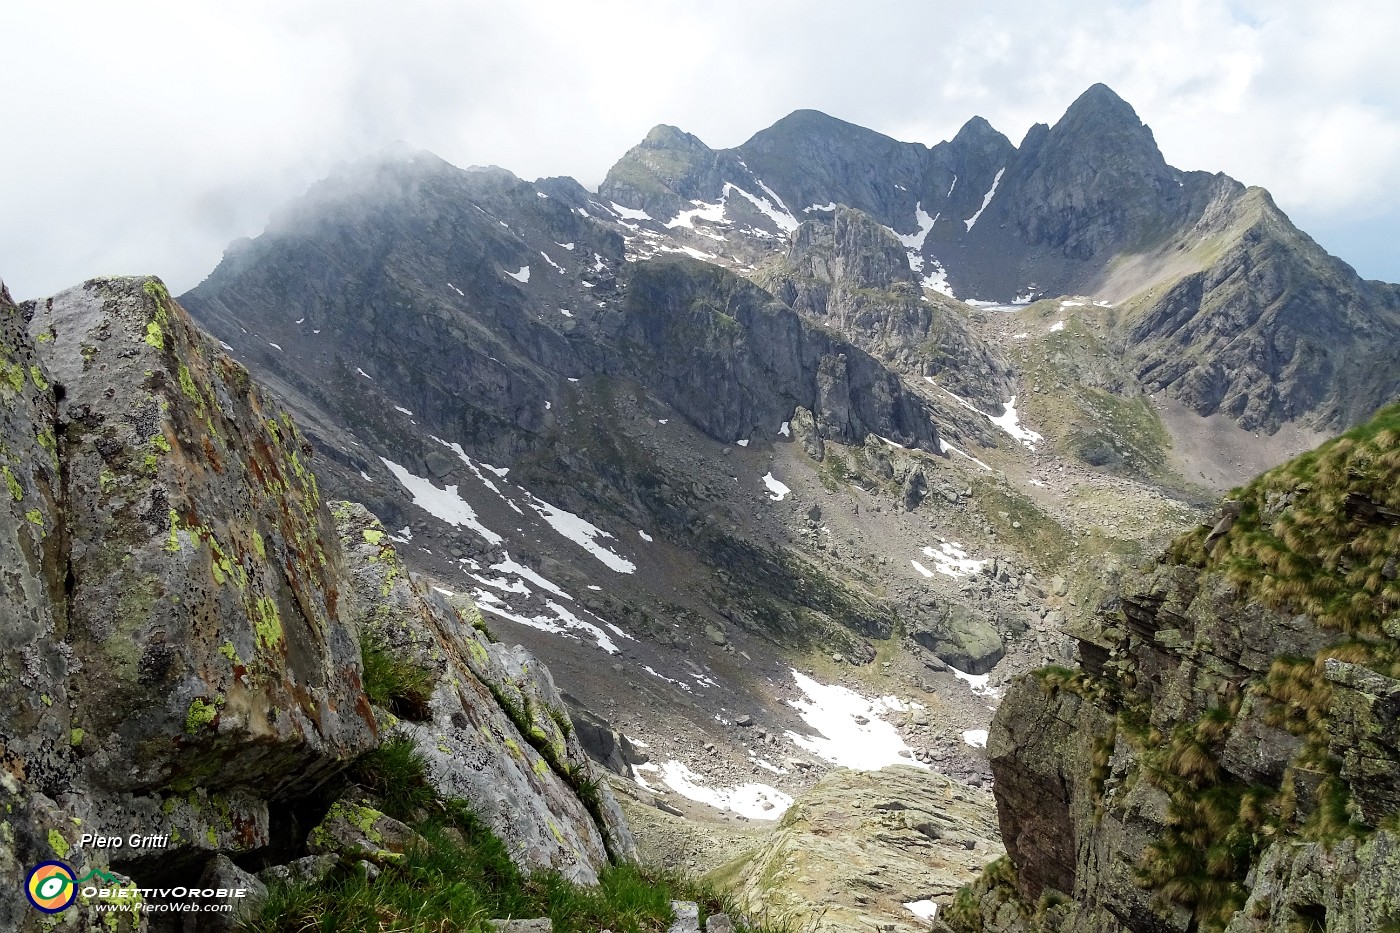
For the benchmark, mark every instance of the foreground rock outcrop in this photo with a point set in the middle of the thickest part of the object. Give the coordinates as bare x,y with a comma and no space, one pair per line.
496,730
1227,757
860,845
182,634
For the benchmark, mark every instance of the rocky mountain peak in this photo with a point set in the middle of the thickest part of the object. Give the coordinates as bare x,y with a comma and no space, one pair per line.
805,125
1102,124
1034,138
976,131
395,175
1101,102
665,136
1086,206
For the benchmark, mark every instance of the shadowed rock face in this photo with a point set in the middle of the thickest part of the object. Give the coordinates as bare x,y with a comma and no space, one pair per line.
732,359
1093,183
405,270
32,615
854,276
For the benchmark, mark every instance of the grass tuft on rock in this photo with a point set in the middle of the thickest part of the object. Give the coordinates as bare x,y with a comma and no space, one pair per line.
395,683
396,774
1319,534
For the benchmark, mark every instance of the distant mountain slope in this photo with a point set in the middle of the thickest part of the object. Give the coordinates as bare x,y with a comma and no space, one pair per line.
724,418
654,472
1268,328
409,306
475,295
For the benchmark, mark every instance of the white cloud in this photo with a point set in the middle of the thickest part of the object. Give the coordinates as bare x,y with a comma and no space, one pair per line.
142,137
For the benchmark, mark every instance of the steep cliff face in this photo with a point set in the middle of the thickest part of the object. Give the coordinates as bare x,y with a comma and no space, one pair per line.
722,351
856,277
1228,756
182,628
1266,328
496,730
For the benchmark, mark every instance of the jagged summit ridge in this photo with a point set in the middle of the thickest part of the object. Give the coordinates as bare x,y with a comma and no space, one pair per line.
1087,205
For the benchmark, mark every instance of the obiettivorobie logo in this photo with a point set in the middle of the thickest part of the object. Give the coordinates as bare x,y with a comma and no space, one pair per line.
52,887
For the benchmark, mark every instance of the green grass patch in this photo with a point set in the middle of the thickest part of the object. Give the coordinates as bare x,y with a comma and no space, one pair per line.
395,773
395,683
1115,432
462,877
1216,826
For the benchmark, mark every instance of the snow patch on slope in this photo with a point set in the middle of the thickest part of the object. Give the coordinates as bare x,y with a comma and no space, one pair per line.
1009,422
849,731
937,280
582,532
755,801
714,213
915,240
777,491
986,199
778,214
951,560
627,213
444,504
563,622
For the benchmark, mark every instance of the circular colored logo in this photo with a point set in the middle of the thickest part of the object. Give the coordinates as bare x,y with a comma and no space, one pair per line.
50,887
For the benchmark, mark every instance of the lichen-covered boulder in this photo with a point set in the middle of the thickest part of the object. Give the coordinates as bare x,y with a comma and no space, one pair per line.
496,732
221,874
1353,886
355,831
547,723
35,727
199,579
172,655
115,907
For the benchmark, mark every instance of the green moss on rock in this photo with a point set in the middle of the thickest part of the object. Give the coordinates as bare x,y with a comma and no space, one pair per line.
267,624
202,713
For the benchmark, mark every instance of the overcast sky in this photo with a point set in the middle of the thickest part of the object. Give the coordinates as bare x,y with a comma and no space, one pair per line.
144,136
